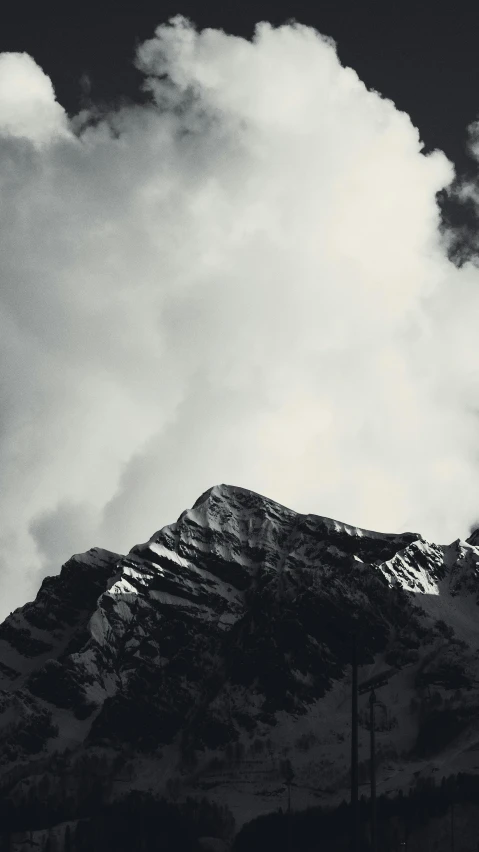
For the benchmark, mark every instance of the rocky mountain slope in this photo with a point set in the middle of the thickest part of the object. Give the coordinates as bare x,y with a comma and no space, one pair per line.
206,658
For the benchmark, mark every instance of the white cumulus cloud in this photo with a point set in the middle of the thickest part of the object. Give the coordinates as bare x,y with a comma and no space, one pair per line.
242,281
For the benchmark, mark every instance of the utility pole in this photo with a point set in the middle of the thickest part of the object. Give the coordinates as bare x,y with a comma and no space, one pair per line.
141,824
354,749
289,775
372,701
452,821
370,685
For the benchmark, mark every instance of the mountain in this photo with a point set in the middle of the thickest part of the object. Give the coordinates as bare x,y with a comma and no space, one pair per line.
203,661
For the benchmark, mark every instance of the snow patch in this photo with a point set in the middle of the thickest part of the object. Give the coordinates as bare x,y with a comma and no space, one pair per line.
161,550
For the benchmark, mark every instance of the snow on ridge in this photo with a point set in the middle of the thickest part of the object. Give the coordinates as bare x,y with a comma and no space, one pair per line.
123,587
402,568
466,546
161,550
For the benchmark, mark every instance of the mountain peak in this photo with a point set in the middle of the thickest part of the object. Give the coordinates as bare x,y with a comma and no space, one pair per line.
228,632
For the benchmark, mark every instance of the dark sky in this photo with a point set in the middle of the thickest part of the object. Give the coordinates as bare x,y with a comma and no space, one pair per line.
426,58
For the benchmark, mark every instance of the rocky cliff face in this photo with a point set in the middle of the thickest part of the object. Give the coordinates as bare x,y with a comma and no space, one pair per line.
208,656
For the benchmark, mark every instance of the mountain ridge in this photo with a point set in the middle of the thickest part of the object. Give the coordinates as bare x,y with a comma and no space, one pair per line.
218,649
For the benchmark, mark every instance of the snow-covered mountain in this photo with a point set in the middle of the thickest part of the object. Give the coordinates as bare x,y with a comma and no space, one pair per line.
207,657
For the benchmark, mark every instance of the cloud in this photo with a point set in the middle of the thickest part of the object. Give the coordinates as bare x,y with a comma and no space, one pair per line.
242,280
28,108
66,529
